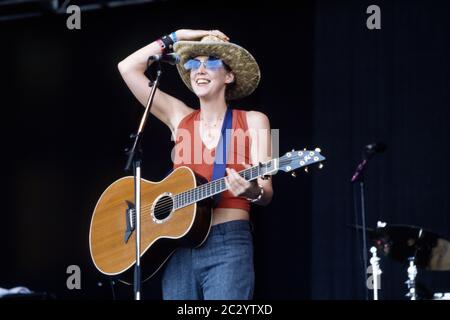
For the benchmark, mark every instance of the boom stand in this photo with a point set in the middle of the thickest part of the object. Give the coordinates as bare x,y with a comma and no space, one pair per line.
134,159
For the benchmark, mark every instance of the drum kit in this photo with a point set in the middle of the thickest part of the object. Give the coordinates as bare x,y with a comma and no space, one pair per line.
418,248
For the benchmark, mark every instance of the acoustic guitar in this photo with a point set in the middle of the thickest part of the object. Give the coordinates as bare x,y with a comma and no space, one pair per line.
175,212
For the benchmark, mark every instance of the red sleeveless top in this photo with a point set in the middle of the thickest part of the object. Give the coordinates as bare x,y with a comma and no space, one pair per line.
190,151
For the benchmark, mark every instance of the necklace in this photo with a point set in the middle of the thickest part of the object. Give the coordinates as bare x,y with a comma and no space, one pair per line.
210,131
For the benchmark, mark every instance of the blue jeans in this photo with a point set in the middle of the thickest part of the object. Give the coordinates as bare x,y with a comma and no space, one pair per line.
220,269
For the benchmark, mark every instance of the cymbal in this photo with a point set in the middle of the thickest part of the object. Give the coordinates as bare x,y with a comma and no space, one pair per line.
402,242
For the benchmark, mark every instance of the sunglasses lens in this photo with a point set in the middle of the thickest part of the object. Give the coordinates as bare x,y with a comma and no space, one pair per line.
214,64
192,64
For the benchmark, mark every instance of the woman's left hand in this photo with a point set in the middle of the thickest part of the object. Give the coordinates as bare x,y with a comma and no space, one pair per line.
238,186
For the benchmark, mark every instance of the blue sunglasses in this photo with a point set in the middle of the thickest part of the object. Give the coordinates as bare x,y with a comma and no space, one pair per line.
211,63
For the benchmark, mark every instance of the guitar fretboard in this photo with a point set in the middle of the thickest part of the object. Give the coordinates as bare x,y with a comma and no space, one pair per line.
217,186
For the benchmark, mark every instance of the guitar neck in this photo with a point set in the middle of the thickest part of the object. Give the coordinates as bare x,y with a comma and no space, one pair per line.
212,188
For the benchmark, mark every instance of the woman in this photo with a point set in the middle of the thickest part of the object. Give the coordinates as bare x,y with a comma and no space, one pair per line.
217,71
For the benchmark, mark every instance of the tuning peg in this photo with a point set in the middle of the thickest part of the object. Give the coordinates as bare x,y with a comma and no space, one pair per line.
293,150
304,149
293,174
320,165
306,169
318,150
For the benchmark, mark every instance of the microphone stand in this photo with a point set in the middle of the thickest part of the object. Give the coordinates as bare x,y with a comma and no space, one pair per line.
135,160
359,176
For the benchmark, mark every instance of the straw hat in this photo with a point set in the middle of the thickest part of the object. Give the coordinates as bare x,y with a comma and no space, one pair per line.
243,65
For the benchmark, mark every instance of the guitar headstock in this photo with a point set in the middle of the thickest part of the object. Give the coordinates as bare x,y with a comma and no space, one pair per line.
300,158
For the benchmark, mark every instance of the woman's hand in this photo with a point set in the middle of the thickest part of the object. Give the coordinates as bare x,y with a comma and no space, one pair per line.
189,34
238,186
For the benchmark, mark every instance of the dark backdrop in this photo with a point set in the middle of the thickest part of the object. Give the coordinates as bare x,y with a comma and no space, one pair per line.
327,81
388,85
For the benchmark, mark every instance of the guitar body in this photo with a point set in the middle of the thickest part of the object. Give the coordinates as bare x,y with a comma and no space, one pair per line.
112,239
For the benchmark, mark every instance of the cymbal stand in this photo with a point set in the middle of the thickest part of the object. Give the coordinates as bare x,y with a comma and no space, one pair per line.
376,272
411,282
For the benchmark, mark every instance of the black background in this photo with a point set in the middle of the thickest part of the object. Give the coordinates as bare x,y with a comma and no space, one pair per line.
327,80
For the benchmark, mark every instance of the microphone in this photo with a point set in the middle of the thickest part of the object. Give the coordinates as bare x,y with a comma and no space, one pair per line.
170,58
369,151
376,147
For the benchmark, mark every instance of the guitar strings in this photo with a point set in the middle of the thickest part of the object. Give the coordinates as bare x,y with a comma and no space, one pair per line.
165,204
193,193
251,171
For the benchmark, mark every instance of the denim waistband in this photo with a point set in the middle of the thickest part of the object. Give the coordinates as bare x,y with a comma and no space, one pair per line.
222,228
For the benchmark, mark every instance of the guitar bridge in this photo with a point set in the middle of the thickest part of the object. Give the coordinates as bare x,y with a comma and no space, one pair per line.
130,220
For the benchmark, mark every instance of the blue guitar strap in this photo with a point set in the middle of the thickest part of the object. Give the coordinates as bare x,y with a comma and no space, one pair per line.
220,161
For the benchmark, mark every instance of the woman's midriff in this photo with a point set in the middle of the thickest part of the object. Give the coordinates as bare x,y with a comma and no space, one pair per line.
221,215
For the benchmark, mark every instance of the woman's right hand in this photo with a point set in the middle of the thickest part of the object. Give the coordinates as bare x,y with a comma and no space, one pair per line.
189,34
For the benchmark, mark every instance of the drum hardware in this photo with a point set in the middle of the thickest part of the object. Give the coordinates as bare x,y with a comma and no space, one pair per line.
411,282
376,272
416,247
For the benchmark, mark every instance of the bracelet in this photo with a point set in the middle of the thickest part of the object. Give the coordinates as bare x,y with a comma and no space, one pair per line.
173,35
162,45
261,193
168,44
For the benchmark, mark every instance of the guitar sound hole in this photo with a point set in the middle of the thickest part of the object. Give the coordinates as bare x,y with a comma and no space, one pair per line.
163,207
